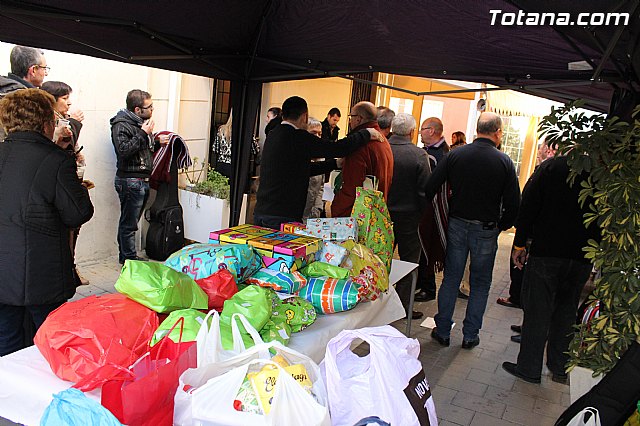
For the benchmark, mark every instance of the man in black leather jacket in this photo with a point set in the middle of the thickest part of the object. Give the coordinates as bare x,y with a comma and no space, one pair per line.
41,198
131,135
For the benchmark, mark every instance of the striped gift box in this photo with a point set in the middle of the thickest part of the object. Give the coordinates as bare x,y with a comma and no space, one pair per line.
329,295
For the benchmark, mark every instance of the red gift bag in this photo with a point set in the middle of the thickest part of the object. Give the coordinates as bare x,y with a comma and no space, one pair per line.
145,396
219,287
97,332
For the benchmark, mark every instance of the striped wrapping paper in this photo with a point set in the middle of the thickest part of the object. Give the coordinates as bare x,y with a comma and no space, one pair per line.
329,295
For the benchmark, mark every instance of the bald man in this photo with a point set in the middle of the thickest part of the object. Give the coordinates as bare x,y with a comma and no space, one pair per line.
374,158
484,201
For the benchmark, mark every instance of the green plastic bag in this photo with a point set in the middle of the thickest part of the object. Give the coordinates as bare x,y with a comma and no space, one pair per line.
375,228
297,312
254,303
192,321
160,288
276,330
323,269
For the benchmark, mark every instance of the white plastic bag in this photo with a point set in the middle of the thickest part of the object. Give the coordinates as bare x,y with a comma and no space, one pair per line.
205,394
209,342
587,417
388,383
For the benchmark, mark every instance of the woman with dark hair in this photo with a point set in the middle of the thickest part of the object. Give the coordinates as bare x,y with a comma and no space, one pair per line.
458,139
67,138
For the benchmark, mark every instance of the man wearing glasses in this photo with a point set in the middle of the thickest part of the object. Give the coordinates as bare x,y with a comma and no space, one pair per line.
132,138
28,66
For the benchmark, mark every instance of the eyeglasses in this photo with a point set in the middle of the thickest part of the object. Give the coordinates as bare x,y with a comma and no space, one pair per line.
45,68
147,107
425,128
354,115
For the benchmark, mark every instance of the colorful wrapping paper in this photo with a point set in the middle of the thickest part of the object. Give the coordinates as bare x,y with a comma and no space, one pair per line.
322,269
329,295
333,229
332,253
283,282
375,228
291,227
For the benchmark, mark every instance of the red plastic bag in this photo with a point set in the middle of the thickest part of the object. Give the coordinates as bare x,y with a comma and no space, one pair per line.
80,337
145,397
219,287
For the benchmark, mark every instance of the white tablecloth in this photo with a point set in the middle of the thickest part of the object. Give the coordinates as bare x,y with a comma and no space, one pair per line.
27,383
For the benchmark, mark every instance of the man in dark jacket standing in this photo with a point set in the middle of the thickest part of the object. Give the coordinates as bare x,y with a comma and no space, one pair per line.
406,197
484,201
556,271
330,127
286,164
41,198
131,135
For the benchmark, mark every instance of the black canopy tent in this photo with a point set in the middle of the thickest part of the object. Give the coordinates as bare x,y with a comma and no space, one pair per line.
255,41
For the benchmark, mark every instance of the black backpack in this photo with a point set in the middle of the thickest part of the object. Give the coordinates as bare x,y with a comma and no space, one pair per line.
166,227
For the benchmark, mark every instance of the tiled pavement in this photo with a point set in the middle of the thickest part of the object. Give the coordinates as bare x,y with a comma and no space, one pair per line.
469,386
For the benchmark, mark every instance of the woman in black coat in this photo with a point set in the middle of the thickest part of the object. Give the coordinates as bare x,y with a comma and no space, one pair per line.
41,198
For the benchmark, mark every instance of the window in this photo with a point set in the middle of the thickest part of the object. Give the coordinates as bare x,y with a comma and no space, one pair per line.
514,132
399,105
431,109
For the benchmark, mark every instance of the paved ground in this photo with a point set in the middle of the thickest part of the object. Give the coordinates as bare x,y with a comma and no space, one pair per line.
469,386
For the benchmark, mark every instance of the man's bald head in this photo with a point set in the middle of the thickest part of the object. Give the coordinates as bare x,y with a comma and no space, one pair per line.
431,131
362,113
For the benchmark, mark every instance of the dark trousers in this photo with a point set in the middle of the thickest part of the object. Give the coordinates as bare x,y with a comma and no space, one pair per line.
273,222
133,194
12,330
515,288
550,292
426,278
405,231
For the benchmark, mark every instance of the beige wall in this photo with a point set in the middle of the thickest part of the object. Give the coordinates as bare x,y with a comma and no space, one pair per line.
321,95
181,102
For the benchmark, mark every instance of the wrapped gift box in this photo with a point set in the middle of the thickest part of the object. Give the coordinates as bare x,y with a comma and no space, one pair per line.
291,227
280,250
332,253
333,229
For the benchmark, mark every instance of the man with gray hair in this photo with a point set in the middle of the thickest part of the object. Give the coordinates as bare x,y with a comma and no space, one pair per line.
373,158
484,201
406,197
385,117
28,66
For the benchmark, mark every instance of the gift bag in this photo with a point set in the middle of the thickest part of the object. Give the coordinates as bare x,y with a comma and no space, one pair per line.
219,287
82,336
145,396
192,321
367,270
389,383
159,287
72,408
375,229
254,303
206,395
297,312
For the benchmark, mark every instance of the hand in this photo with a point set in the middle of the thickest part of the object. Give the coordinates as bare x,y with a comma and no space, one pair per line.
147,126
77,115
163,139
519,257
80,159
62,136
88,184
375,135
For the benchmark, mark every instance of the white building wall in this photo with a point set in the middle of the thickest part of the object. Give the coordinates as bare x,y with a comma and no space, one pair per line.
181,102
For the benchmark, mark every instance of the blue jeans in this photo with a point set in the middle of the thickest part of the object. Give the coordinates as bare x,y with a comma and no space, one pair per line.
133,194
12,327
463,239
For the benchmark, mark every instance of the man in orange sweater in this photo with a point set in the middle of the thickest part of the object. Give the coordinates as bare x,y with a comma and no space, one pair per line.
373,158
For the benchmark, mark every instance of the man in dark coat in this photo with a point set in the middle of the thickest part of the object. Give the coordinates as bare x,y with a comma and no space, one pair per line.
484,201
286,164
406,198
330,127
41,199
551,216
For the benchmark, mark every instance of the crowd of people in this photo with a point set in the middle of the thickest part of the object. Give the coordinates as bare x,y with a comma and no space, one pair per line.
448,203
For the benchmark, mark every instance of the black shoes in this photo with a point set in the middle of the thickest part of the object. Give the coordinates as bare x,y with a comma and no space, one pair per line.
435,336
461,295
516,328
512,369
133,258
416,315
517,338
424,296
470,344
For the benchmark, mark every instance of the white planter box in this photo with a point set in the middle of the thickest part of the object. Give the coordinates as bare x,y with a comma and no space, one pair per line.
203,214
581,382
